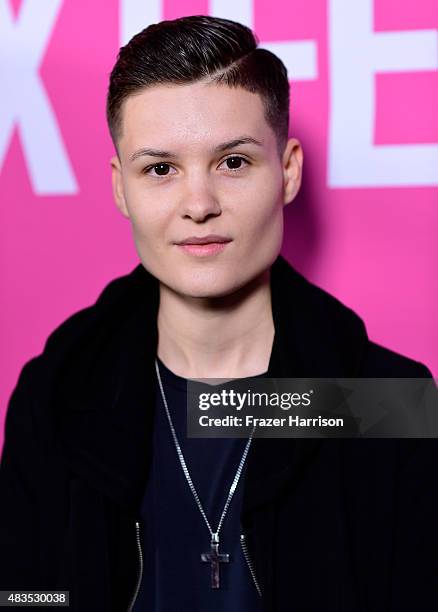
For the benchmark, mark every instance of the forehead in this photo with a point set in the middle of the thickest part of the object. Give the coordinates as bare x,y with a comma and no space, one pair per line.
190,115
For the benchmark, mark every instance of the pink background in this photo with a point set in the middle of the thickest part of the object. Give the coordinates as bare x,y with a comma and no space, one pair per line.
373,247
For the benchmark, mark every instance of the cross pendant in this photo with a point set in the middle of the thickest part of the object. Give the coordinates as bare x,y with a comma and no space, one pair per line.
215,557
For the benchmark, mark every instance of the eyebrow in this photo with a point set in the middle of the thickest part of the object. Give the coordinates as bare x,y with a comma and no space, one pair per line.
224,146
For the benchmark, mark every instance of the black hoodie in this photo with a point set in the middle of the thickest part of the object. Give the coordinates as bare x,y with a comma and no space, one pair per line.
335,524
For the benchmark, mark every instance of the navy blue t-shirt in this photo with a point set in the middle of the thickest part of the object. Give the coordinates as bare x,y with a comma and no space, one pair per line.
174,533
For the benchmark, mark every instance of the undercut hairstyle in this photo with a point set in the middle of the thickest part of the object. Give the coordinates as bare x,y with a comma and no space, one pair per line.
200,48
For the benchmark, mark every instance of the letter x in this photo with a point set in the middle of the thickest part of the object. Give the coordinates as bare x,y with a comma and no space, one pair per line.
24,100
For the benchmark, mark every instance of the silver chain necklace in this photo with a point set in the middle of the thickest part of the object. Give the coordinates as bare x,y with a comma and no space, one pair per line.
214,556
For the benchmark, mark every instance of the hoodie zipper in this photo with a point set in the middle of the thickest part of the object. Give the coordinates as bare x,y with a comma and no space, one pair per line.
140,573
249,562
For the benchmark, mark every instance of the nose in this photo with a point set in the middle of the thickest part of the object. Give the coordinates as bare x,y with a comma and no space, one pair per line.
199,200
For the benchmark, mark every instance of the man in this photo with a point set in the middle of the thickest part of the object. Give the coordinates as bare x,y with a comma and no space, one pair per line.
102,492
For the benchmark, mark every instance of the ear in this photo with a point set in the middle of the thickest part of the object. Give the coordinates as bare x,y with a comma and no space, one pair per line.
292,169
117,182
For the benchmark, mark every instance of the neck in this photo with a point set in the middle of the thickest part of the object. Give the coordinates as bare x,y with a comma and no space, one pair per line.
224,337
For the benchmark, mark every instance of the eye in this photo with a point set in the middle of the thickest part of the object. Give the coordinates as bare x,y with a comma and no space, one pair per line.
234,163
161,169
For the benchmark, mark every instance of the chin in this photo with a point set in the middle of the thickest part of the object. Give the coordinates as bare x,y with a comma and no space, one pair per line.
204,287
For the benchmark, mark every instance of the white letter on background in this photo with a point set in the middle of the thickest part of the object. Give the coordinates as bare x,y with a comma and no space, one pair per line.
24,99
135,15
356,54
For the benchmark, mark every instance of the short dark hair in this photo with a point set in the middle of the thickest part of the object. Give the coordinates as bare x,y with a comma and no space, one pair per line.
194,48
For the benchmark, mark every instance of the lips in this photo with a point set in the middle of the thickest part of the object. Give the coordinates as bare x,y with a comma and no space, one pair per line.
204,246
210,239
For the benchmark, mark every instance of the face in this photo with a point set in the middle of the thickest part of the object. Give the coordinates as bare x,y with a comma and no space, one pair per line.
197,160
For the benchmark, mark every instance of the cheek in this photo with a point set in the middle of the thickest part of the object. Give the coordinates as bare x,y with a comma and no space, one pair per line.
151,236
265,210
147,217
